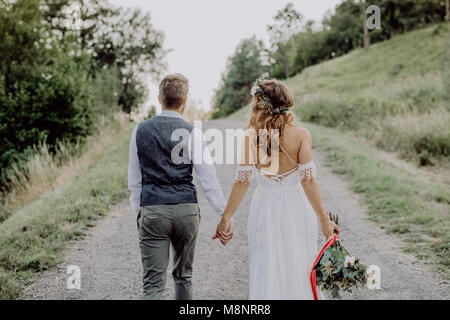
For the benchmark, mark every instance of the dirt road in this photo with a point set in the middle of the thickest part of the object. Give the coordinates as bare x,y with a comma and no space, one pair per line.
109,257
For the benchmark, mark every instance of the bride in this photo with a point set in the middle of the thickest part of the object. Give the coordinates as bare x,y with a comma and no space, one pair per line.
282,226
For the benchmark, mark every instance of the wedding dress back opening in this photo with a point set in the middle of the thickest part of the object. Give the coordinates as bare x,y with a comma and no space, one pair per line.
282,230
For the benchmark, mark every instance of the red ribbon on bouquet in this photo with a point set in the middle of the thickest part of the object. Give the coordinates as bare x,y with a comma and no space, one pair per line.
312,274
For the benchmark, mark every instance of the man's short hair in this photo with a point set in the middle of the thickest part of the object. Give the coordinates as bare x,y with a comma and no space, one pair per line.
173,89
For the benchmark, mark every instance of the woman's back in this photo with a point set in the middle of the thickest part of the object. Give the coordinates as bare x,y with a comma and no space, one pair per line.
288,157
282,226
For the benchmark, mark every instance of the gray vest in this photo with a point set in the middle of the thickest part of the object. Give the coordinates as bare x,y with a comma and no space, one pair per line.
163,182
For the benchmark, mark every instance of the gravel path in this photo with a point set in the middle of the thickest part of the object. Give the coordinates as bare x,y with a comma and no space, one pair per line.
109,258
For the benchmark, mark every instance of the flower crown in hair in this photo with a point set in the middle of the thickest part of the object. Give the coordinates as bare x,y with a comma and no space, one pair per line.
262,99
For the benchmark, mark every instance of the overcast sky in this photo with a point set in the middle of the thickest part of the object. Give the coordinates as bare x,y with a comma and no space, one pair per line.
204,33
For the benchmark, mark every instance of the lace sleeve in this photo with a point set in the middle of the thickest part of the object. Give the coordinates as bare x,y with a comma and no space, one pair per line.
243,174
247,157
306,166
308,172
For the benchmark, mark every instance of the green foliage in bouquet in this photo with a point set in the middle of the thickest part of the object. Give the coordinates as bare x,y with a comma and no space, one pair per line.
339,270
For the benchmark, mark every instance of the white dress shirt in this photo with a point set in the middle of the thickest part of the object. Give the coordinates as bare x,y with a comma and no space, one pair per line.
203,168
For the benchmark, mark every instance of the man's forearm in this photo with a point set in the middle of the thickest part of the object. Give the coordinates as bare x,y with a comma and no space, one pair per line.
210,185
206,172
135,200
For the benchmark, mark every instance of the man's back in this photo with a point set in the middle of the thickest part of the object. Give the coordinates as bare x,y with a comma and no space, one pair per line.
162,193
165,181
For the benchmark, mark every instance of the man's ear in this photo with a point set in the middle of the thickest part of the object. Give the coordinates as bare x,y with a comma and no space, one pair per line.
183,106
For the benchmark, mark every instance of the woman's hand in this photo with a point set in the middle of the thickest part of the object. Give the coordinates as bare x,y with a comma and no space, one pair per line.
329,228
224,231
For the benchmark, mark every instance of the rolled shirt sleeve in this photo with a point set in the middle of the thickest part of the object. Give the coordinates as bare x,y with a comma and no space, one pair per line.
205,171
134,175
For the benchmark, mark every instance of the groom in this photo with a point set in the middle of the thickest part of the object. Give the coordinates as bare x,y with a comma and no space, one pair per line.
163,195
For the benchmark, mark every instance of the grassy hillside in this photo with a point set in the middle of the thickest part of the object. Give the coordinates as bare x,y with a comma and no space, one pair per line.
397,94
383,117
405,200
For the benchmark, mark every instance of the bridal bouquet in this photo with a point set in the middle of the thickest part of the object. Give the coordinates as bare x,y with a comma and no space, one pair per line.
335,269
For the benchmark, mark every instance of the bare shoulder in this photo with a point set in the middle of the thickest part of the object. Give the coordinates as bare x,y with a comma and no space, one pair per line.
300,132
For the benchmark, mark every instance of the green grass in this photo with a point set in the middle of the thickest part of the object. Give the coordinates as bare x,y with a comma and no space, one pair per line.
382,118
389,94
413,207
33,239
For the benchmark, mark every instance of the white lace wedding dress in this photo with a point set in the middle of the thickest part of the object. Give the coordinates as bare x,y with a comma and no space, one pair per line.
282,233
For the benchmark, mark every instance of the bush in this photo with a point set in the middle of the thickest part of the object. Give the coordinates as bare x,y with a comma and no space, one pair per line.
433,145
105,90
51,103
56,80
243,68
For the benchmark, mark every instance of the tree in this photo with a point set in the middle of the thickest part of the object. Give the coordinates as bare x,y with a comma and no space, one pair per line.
366,29
343,30
286,26
65,63
45,94
117,38
344,27
151,112
311,48
404,15
20,37
447,10
243,68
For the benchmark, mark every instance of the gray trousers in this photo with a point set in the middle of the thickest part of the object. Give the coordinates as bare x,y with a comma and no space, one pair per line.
162,225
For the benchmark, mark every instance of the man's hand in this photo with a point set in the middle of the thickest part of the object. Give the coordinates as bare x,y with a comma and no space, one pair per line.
224,231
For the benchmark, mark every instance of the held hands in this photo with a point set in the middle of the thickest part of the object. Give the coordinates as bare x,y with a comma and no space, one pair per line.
329,228
224,231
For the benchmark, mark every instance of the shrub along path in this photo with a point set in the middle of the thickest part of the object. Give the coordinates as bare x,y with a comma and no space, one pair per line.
110,262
